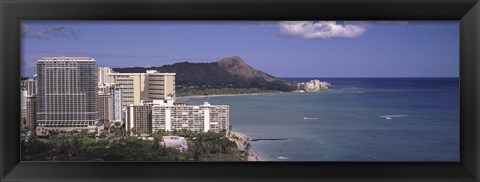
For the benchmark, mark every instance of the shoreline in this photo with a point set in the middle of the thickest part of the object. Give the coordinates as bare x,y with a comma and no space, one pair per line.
224,95
247,94
242,141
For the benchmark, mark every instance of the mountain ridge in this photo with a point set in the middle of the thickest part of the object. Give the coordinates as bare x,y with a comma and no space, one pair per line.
228,72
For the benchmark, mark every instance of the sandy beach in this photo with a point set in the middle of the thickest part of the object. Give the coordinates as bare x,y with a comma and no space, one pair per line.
242,141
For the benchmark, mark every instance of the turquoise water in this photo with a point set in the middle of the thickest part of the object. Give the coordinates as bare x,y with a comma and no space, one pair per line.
346,123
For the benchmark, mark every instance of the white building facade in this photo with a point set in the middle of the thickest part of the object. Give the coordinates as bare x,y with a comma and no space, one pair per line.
66,93
313,86
169,116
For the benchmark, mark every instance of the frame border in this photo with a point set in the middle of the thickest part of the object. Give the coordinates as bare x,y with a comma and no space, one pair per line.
13,11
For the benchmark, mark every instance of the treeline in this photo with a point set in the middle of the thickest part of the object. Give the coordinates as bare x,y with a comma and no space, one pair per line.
279,85
219,91
82,146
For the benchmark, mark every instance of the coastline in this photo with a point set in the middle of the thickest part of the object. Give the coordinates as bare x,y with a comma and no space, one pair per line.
242,142
223,95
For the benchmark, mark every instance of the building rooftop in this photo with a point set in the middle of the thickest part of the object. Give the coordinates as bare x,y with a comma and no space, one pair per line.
176,142
63,58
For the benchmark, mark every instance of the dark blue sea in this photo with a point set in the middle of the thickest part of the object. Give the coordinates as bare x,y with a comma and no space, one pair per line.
359,119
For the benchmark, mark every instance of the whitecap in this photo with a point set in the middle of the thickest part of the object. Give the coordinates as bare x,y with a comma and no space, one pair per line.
392,116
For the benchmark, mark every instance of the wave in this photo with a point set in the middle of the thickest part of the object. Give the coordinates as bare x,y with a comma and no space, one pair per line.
393,116
283,158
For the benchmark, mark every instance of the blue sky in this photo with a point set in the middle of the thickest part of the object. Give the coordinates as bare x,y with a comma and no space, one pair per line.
283,49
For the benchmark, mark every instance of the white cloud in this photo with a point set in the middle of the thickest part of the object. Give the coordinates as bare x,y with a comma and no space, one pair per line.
321,29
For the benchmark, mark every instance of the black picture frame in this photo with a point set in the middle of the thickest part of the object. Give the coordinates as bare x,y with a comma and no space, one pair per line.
13,11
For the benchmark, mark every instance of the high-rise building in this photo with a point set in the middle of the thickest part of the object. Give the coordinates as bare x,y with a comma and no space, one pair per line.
103,78
117,104
165,115
23,108
109,103
105,107
138,119
172,116
144,86
30,120
67,93
28,89
29,85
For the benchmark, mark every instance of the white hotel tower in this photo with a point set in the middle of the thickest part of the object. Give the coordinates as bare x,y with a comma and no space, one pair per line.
67,93
169,116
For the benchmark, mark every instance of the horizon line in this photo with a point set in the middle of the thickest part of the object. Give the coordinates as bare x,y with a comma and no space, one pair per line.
369,77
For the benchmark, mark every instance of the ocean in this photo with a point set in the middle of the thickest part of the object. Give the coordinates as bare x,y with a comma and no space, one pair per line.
359,119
